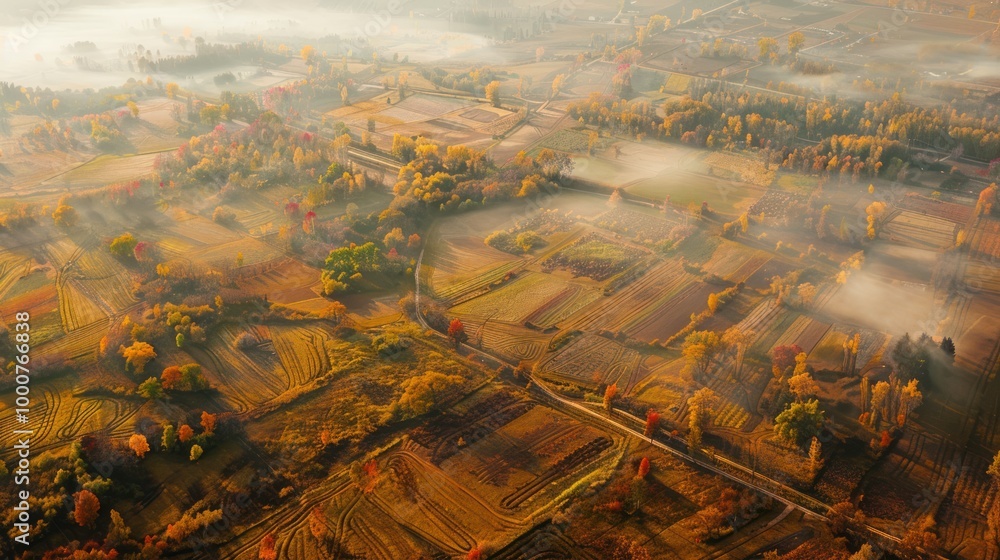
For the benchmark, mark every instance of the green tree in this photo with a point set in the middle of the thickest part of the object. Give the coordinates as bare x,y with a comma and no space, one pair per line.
169,439
151,389
799,422
123,246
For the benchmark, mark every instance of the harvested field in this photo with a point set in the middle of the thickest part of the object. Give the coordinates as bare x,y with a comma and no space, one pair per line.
592,359
594,256
303,351
515,301
104,280
921,230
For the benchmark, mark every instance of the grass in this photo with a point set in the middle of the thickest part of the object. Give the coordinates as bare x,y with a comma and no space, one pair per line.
685,188
596,251
573,141
796,183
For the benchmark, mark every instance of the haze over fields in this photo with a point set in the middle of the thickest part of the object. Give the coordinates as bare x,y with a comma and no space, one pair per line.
507,279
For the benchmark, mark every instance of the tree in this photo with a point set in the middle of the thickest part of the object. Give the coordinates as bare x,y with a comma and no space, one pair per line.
880,399
610,392
807,293
118,531
137,355
910,398
208,421
456,331
768,48
133,109
815,455
394,239
317,525
267,550
948,347
493,93
172,89
652,423
874,214
615,200
864,553
423,393
699,350
184,433
85,508
799,421
138,444
701,405
169,438
307,53
802,386
179,340
843,515
739,340
151,389
557,84
196,452
643,468
783,358
123,246
795,42
65,215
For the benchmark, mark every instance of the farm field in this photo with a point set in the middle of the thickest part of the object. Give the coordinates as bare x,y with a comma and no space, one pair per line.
694,280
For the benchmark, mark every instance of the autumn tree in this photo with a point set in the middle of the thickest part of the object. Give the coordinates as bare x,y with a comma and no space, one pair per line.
768,48
137,355
699,350
609,396
123,246
796,41
65,215
423,393
208,421
815,455
493,93
738,340
118,532
783,358
456,332
267,550
317,525
910,398
652,423
643,468
874,215
557,83
85,508
701,406
184,433
196,452
138,444
307,53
